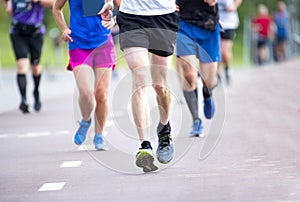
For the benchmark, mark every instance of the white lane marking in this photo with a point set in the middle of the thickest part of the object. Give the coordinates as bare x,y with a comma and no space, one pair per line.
253,160
3,136
109,123
86,147
34,134
116,114
272,172
31,135
71,164
56,186
62,132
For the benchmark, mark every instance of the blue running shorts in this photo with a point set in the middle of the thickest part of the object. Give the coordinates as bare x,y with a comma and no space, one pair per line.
194,40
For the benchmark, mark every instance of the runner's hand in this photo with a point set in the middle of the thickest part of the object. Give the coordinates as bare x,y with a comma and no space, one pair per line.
106,11
108,24
211,2
66,35
8,8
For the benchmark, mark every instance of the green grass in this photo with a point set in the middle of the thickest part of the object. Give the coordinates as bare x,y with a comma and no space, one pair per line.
237,51
7,57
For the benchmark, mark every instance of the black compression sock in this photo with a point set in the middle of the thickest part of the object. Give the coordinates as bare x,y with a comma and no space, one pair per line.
162,128
36,80
22,83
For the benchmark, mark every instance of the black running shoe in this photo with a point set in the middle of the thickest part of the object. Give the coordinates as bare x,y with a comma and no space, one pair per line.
24,107
37,102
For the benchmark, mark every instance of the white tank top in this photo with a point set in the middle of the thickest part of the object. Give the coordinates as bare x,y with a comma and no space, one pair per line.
147,7
228,20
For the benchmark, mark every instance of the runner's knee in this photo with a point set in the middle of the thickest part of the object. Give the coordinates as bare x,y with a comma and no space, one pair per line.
101,95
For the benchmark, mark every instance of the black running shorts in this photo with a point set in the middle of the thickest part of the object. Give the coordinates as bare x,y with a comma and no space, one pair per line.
156,33
228,34
25,45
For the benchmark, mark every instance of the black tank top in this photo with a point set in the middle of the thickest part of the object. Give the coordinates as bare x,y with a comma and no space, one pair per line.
199,13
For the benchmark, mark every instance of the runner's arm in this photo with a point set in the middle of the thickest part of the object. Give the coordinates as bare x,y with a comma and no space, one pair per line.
235,6
211,2
45,3
117,3
60,19
7,4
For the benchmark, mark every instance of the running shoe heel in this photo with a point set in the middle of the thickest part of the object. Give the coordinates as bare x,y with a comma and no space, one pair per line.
99,143
145,158
81,133
197,129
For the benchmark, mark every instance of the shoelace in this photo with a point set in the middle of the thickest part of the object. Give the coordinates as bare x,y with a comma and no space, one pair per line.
164,140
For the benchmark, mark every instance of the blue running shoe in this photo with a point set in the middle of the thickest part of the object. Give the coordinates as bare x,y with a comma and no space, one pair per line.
197,129
209,107
99,142
145,159
165,150
80,134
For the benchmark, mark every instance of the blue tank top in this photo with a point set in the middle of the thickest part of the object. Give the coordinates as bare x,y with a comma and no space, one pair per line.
87,32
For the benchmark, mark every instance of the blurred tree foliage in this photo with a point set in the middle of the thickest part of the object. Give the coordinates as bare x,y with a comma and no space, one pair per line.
246,10
48,20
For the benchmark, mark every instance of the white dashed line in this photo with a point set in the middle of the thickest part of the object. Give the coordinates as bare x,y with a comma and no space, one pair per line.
109,123
34,134
3,136
253,160
116,114
86,147
71,164
52,186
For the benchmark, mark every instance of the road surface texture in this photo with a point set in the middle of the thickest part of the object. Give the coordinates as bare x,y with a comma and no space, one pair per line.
251,151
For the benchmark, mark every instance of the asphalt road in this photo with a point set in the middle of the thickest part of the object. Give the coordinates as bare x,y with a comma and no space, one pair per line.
250,152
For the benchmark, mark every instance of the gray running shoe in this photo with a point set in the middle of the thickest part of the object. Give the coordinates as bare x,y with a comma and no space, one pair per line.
165,150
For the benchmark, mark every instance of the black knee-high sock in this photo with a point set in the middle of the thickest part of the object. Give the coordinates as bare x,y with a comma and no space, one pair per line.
226,68
36,80
22,83
191,98
206,92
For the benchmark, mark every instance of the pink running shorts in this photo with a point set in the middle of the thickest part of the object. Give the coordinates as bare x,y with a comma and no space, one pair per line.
102,57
